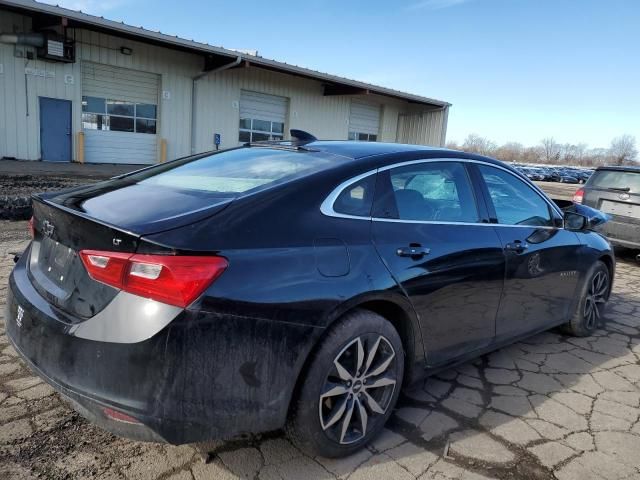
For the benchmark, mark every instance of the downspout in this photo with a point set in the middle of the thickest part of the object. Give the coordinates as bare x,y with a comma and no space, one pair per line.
235,63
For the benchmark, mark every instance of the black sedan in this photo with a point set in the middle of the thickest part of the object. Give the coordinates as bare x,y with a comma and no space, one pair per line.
292,284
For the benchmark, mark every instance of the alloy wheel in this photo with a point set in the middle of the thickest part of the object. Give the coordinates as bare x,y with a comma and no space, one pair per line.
596,298
358,389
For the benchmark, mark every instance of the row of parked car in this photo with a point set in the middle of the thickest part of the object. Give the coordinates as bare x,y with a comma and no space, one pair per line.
555,174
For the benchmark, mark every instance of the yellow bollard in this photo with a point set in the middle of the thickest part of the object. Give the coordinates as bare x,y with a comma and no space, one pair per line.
163,150
80,148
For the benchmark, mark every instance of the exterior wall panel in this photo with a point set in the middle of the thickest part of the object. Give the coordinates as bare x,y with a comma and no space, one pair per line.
20,128
217,97
423,128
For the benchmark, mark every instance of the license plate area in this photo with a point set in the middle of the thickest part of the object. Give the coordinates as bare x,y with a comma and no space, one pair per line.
622,209
52,264
56,260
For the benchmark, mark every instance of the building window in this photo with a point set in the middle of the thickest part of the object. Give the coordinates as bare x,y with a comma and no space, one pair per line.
254,130
363,137
118,115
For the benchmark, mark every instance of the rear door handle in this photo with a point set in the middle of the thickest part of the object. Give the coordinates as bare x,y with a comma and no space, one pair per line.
516,246
414,251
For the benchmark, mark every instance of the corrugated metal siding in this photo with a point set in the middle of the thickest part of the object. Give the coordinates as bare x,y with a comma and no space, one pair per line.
20,132
218,96
263,107
424,128
119,83
119,147
364,117
19,105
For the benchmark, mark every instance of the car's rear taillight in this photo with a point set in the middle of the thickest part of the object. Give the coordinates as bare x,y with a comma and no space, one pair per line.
32,230
578,196
120,417
173,279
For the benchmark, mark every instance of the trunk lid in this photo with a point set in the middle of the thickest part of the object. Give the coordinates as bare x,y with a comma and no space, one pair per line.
139,208
96,217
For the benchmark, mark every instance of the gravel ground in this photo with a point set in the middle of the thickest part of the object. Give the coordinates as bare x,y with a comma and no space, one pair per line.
19,179
549,407
15,201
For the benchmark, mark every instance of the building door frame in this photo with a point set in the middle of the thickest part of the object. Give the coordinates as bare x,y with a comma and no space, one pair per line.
55,129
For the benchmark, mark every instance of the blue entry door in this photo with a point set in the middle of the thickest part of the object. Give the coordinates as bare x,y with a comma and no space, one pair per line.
55,129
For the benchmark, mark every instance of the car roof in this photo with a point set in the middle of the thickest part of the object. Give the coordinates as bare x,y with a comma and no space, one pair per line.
365,150
369,153
355,150
628,168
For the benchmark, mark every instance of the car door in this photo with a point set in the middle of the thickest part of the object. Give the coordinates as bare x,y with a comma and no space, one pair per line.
430,228
542,268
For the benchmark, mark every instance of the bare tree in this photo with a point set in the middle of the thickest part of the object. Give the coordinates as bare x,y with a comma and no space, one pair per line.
474,143
453,145
623,150
509,152
551,150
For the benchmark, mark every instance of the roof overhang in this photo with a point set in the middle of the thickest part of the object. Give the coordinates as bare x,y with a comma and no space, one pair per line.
49,15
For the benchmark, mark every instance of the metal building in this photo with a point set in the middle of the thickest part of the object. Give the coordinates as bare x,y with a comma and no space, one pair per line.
78,87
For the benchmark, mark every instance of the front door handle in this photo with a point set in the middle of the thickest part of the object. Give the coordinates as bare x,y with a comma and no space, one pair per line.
517,246
414,250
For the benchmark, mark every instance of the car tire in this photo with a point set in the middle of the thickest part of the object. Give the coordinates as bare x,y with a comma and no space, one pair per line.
593,298
335,412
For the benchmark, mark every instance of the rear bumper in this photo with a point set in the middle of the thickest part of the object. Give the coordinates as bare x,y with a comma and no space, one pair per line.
622,233
202,377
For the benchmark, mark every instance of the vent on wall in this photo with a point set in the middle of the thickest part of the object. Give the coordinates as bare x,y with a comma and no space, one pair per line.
57,49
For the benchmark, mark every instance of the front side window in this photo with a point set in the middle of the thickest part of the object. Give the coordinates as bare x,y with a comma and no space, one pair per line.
515,202
430,191
118,115
255,130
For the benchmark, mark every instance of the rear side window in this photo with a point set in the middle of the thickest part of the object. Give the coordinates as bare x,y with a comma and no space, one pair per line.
430,191
357,198
515,202
235,172
623,181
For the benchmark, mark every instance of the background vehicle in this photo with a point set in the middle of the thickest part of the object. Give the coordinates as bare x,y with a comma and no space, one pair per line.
568,178
297,284
616,191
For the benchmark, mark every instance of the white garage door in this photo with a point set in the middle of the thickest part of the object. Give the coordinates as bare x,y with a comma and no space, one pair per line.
364,121
119,114
262,117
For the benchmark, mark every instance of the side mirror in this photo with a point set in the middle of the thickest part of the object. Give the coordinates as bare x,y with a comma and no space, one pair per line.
575,222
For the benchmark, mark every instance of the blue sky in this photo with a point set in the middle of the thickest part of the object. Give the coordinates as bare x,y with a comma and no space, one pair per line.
514,70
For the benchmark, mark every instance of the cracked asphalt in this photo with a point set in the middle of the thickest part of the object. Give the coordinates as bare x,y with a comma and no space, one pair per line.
549,407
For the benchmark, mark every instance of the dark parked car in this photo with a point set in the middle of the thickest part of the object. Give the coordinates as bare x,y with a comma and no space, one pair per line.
616,191
293,284
569,178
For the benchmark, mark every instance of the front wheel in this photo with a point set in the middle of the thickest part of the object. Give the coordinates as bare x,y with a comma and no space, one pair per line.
351,387
595,293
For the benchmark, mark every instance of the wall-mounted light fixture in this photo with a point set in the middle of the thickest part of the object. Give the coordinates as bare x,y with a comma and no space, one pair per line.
126,51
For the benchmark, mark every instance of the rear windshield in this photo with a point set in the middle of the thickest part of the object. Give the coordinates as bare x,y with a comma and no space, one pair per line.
235,172
627,181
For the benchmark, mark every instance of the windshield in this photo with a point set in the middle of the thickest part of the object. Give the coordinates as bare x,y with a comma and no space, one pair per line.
234,172
626,181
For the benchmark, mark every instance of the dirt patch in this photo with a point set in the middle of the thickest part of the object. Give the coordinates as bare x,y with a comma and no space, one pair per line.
15,201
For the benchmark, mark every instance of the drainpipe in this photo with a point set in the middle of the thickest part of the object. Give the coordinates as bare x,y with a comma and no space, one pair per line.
227,66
